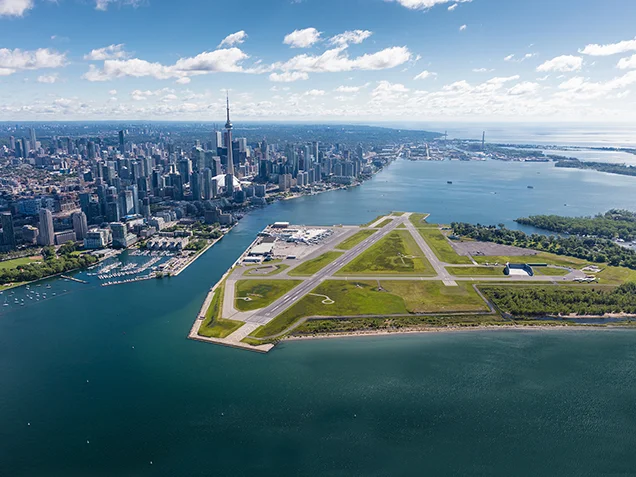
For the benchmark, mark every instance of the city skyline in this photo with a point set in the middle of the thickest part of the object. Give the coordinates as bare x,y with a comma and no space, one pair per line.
421,60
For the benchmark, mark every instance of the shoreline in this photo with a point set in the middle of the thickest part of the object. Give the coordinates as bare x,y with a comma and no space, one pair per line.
455,329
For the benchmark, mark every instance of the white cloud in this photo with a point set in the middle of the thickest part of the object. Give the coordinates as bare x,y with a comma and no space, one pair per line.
564,63
462,28
234,39
15,60
579,88
424,74
426,4
302,38
111,52
524,88
350,37
348,89
336,60
48,79
139,95
112,92
225,60
103,4
386,91
627,63
288,76
184,80
609,49
482,70
509,57
314,92
15,8
452,7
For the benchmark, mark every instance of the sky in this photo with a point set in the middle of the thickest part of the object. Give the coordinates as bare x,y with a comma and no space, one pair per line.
319,60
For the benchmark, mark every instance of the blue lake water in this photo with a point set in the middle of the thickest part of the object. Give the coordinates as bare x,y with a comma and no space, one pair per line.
109,384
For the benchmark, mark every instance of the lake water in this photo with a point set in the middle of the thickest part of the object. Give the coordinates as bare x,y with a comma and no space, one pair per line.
109,384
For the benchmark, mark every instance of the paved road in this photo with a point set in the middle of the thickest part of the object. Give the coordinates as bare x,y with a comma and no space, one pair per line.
265,315
438,266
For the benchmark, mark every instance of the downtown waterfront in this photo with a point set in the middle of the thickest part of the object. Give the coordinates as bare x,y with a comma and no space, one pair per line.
101,381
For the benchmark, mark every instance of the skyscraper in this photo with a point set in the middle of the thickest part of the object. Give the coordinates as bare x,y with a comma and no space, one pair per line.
8,234
228,127
32,137
122,140
80,225
46,235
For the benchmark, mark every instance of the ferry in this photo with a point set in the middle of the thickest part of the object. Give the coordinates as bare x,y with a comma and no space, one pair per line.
449,182
530,187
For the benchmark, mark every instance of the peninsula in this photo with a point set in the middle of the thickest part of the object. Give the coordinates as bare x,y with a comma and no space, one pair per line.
396,274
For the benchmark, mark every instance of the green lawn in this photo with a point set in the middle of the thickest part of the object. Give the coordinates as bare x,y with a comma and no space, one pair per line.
444,251
213,325
418,220
13,263
435,297
355,239
397,214
401,226
276,271
364,298
351,298
397,253
615,275
476,271
260,292
312,266
384,223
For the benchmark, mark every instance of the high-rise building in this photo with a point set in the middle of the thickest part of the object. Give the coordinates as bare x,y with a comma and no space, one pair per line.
122,141
80,225
32,137
8,234
46,234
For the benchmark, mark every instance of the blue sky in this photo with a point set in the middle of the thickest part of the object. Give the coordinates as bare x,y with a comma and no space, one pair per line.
428,60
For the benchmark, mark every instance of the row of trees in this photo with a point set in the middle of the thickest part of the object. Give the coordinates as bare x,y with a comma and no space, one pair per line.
621,169
557,300
49,266
611,225
592,249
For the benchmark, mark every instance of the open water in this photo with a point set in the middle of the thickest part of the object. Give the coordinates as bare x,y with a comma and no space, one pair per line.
100,381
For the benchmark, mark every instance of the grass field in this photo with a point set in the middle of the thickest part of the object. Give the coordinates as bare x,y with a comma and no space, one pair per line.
384,223
444,251
364,298
18,261
541,257
350,298
310,267
550,271
418,220
476,271
615,275
355,239
368,224
213,325
435,297
397,214
397,253
253,271
260,292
